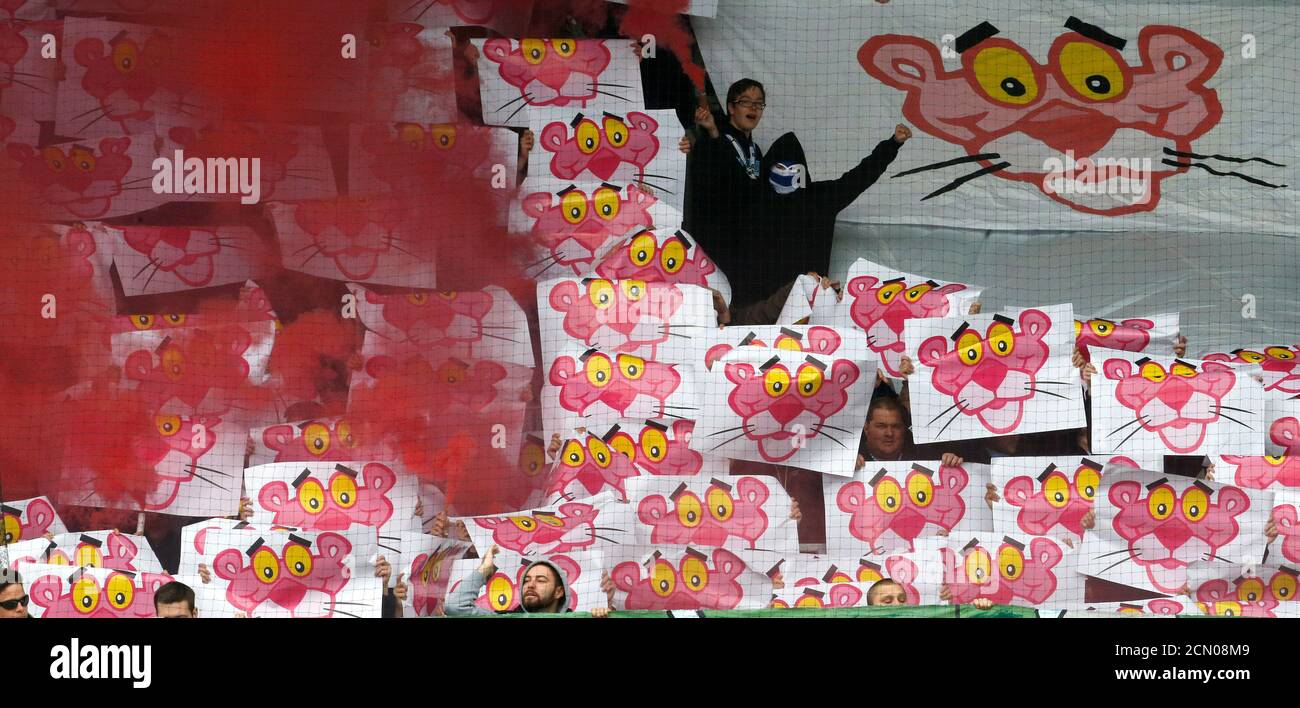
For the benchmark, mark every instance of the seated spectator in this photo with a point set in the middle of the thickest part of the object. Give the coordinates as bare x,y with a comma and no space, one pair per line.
886,592
13,600
174,600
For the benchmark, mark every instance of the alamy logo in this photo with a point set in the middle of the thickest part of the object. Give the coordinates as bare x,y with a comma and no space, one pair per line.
1119,177
213,175
122,661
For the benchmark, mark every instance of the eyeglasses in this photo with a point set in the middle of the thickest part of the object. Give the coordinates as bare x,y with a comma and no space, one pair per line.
14,604
753,105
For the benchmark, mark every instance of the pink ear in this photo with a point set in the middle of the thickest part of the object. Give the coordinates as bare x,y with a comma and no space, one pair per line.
1285,516
1212,591
861,284
553,136
228,563
1284,432
642,121
752,490
46,590
1139,323
569,566
273,496
1117,369
901,61
739,373
727,562
1123,494
1159,46
844,595
626,575
901,570
1046,552
561,370
851,496
379,477
563,295
949,289
1018,491
824,340
1035,323
715,353
844,372
497,49
120,546
333,545
953,478
536,204
40,514
652,510
1233,500
278,437
932,349
1216,357
114,146
138,364
88,51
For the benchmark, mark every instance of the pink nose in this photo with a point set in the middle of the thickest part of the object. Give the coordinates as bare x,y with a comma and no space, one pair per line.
786,409
990,375
618,396
908,523
1173,534
895,316
1175,393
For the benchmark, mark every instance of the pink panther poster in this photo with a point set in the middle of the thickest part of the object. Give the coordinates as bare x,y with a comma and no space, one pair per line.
737,512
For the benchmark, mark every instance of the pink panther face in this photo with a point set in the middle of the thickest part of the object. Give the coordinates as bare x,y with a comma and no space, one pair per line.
201,368
23,524
550,72
336,505
1131,335
644,257
575,228
81,180
593,465
352,231
897,568
1258,472
777,405
545,532
89,553
822,341
629,385
838,595
436,319
894,514
470,385
503,593
1086,102
1058,499
1247,597
314,440
185,253
412,157
1029,577
624,316
709,521
1278,362
1166,532
1177,404
428,581
174,457
289,579
125,75
881,308
601,148
991,376
655,453
122,594
691,584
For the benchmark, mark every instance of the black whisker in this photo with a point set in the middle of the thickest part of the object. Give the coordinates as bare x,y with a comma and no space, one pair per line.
613,95
945,412
1225,158
727,430
828,436
954,417
1054,383
949,163
647,174
607,540
966,178
608,528
101,117
388,548
1112,553
150,262
1131,422
656,187
497,336
336,610
681,408
1121,561
426,9
210,469
522,97
88,112
196,475
1121,442
157,268
521,107
613,85
1218,173
1247,427
715,447
1230,408
1047,393
842,430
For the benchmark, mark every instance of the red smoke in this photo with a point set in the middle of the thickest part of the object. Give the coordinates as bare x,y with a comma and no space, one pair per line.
660,18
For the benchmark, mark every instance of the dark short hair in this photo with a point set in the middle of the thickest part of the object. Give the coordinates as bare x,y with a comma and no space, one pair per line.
9,576
880,583
742,86
172,593
888,403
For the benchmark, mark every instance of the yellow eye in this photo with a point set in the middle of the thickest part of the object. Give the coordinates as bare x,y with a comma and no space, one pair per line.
344,432
298,560
311,497
266,565
606,203
689,511
642,250
1091,71
142,322
316,438
601,294
978,566
810,380
917,292
886,294
663,579
1086,480
531,459
695,574
444,136
432,568
1002,341
633,290
54,158
13,531
417,298
673,256
789,344
574,454
574,206
564,47
1252,357
549,519
776,381
867,574
721,506
1011,562
524,523
1078,328
1275,459
616,132
622,443
1227,609
120,591
88,555
1161,503
125,57
500,593
971,348
1101,328
171,361
1183,370
534,50
1283,586
599,451
1195,502
167,425
344,490
451,371
599,370
654,444
412,135
808,601
1057,490
888,496
587,136
920,489
1005,75
175,320
85,594
632,367
1250,591
1280,353
82,159
1153,372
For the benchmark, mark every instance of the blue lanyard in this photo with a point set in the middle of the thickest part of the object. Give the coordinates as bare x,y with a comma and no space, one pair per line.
748,161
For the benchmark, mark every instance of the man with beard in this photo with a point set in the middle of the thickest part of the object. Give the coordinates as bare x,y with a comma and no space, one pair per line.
543,589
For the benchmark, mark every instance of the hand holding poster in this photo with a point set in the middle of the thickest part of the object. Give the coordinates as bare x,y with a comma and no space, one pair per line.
748,512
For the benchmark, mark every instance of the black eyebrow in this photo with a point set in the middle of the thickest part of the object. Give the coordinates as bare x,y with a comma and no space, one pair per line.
576,120
1095,33
678,491
610,433
821,366
923,470
297,482
1157,483
656,424
975,35
1043,475
1204,487
10,510
1013,542
1003,319
973,543
253,548
770,363
1190,366
748,338
720,484
899,279
346,470
1090,464
957,335
615,117
876,479
300,540
91,540
1143,360
566,190
586,355
792,334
